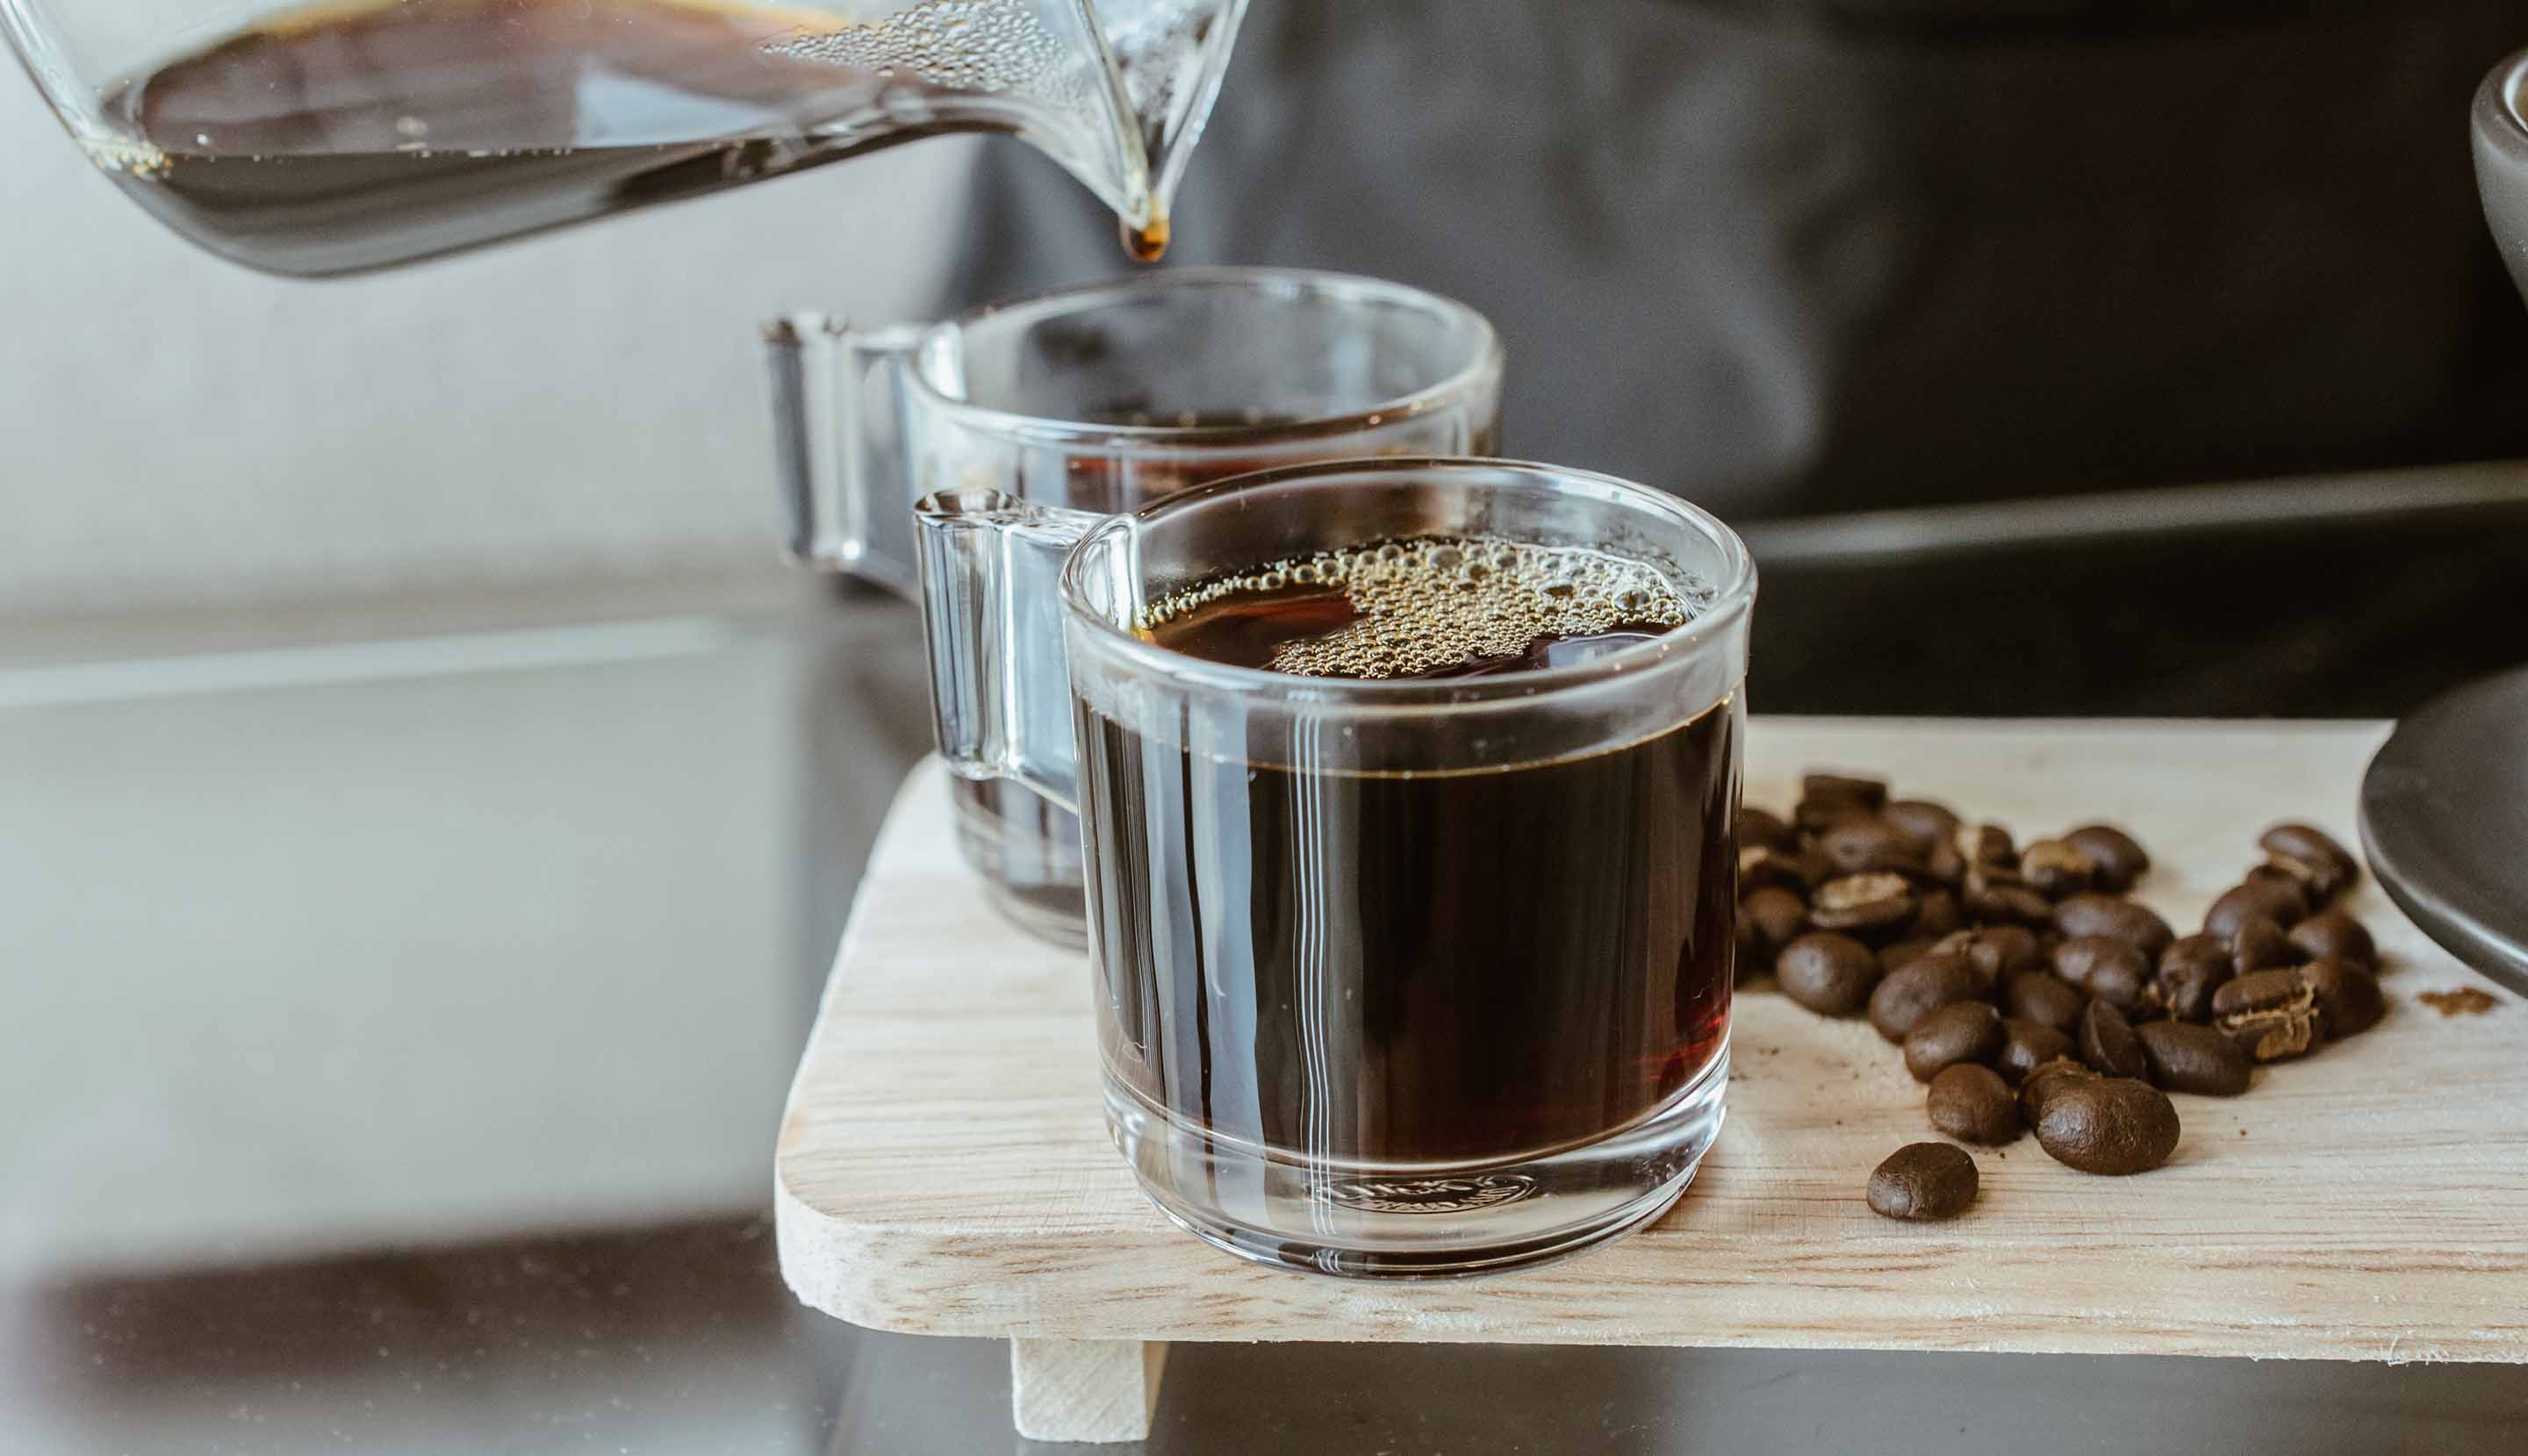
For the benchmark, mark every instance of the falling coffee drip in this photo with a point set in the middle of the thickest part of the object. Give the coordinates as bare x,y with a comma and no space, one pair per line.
1148,242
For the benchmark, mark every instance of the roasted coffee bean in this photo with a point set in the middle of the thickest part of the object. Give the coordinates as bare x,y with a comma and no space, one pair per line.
2082,959
1762,829
2123,984
1863,903
1828,973
2029,1045
1993,845
1936,916
2271,1015
2279,900
1864,845
1870,794
2007,904
2318,880
2046,1080
2311,845
1818,815
1760,866
2258,990
1996,951
1960,1031
2113,1126
1898,955
2120,857
1981,876
1944,865
2044,998
2337,934
2105,914
2020,947
2108,1044
2258,944
1904,998
1753,958
1973,1105
1922,822
2073,958
2185,1058
1815,868
2190,972
2349,1001
1923,1181
1778,915
2054,868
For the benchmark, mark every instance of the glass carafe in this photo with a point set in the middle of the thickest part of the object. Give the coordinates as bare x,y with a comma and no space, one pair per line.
328,136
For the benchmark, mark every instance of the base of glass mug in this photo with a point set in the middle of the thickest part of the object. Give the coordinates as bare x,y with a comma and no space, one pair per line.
1418,1221
1047,913
1026,853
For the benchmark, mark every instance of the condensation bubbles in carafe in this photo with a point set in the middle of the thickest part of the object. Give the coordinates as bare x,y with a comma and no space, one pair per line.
986,46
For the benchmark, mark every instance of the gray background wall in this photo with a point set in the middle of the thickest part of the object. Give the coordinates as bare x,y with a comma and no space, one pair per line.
174,429
411,815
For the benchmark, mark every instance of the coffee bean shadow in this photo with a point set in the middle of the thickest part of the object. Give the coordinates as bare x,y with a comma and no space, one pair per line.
2192,1148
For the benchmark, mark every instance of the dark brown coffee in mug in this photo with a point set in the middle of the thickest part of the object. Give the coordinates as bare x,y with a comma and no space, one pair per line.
1530,956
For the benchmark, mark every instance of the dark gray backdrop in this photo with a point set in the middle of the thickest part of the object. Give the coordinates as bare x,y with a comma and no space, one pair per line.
1799,257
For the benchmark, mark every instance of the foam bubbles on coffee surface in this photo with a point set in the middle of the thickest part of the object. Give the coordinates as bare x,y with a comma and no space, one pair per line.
1432,603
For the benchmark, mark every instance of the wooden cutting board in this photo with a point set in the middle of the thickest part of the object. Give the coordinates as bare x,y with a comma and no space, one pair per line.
943,1167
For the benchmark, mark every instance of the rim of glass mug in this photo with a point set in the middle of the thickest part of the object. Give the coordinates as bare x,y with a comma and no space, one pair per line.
936,353
1731,596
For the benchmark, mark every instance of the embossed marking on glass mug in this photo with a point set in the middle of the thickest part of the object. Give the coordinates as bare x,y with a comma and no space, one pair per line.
1426,1195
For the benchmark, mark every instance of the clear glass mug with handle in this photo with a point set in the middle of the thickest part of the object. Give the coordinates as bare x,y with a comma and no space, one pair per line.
324,136
1399,976
1100,398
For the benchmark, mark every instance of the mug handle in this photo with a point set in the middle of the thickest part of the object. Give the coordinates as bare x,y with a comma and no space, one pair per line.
837,407
991,615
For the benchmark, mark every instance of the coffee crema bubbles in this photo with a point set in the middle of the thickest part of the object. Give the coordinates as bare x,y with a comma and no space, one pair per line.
1420,607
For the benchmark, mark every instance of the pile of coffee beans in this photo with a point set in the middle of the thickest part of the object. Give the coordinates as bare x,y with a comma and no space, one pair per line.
2023,987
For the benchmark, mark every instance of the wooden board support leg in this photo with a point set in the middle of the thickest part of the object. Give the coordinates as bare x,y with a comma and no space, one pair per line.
1084,1389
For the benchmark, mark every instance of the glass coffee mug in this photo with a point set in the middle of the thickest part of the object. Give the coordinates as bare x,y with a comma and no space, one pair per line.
1102,398
1416,974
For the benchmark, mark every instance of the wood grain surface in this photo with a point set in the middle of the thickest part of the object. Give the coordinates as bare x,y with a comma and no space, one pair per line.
943,1167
